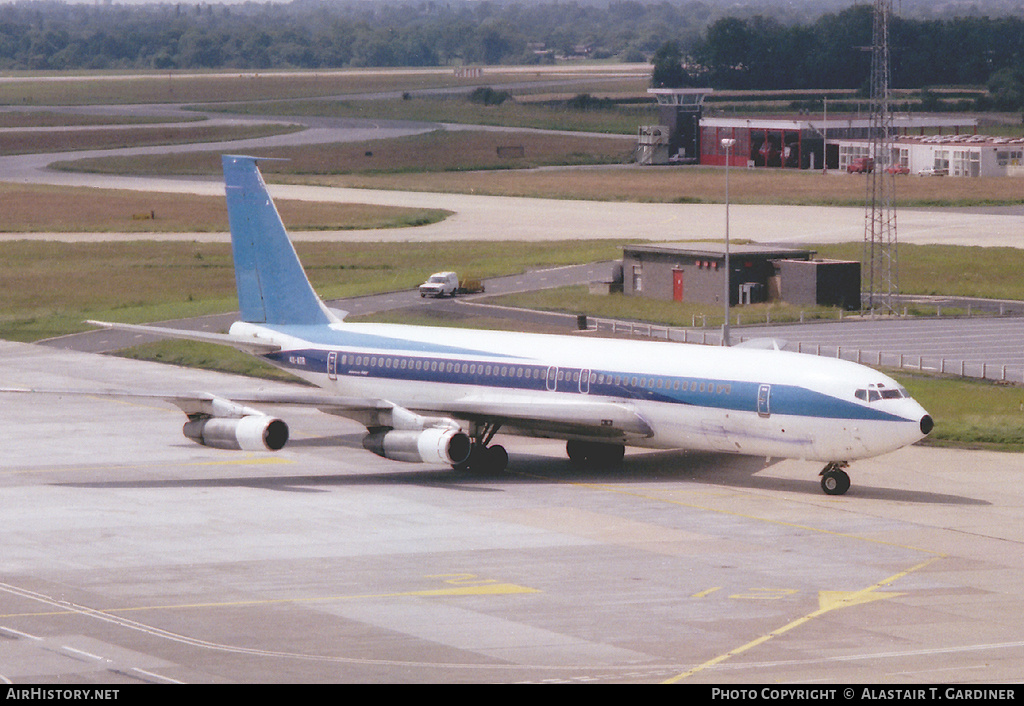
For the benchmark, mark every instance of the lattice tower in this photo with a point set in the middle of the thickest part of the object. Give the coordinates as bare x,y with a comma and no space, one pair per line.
880,271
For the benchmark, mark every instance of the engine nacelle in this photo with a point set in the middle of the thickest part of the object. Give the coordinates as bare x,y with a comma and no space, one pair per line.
434,445
256,432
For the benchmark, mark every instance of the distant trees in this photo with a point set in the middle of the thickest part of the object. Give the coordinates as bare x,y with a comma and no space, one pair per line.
1006,89
668,67
833,51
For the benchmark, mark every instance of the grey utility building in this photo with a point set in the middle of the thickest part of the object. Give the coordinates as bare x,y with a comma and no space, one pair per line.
695,272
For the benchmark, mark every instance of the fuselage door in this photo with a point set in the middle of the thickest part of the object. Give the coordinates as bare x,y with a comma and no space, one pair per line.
552,379
764,397
585,381
332,365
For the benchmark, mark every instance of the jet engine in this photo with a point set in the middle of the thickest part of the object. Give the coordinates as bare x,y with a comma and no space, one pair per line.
255,432
434,445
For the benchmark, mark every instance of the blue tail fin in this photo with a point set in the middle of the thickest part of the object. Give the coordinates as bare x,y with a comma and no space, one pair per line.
272,286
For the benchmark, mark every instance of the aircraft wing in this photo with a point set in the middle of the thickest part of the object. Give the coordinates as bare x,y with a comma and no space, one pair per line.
602,420
606,420
206,403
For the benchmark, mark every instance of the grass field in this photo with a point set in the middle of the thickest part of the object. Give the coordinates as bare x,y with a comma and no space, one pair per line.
218,87
435,151
970,413
215,87
44,209
547,112
52,118
50,288
698,185
33,142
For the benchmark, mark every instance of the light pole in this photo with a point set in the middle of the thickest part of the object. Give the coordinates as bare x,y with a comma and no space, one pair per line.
728,143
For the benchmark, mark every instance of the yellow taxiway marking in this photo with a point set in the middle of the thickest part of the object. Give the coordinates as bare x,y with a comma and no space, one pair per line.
487,589
830,600
706,593
827,600
826,603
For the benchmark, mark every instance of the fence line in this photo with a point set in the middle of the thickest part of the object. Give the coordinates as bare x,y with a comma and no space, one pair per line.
902,361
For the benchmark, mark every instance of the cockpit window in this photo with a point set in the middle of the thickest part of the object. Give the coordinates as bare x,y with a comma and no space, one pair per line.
881,392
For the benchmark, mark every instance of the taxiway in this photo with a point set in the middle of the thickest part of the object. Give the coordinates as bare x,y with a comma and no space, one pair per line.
130,554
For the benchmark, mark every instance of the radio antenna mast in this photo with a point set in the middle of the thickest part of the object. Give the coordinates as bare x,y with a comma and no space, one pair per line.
880,273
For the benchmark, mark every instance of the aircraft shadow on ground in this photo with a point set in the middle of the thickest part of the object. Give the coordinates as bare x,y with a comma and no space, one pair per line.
713,469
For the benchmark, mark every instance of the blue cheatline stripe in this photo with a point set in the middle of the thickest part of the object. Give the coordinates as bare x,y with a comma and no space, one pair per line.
272,286
725,395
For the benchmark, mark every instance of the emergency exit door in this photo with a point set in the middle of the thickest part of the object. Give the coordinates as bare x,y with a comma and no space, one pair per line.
764,400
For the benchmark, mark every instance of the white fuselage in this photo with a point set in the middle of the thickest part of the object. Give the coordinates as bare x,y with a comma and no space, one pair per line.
737,400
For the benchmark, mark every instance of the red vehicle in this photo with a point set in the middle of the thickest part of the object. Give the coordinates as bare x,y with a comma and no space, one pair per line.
861,165
897,169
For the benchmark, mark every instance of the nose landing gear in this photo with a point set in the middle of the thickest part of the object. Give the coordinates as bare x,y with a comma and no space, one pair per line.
834,480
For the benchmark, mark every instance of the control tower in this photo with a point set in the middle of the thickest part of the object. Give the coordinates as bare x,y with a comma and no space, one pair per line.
680,110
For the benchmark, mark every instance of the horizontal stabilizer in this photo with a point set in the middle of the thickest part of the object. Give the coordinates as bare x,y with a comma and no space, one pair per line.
242,343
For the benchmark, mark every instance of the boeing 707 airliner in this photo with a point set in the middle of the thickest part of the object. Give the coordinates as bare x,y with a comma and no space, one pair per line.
439,395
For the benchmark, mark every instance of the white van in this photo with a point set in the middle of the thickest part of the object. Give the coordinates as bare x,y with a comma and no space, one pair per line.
440,284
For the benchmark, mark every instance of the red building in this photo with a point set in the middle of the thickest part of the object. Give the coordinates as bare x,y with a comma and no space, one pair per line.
800,143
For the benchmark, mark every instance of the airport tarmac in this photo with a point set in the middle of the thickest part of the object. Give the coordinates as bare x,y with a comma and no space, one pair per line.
129,554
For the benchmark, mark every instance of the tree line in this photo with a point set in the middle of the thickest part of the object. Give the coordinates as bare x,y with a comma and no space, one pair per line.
312,34
834,51
701,46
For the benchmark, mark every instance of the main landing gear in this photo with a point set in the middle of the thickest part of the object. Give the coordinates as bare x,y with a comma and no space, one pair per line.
594,454
834,480
485,459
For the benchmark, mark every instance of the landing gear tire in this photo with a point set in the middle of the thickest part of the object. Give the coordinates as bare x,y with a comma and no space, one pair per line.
834,480
485,460
577,452
594,454
497,459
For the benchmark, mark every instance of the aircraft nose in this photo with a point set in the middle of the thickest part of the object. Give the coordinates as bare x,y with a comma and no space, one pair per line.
927,424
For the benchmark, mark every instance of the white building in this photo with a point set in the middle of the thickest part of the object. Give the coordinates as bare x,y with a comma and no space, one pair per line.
953,155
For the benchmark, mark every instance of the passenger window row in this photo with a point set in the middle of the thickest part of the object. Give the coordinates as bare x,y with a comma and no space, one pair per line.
538,373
